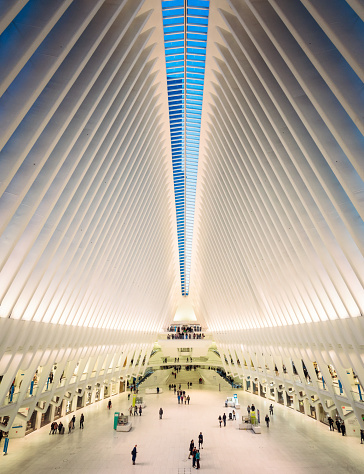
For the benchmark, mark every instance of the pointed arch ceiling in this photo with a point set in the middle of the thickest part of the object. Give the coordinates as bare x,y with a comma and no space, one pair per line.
88,231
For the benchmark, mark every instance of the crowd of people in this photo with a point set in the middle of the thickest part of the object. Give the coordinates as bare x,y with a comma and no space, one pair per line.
182,335
340,425
134,411
60,428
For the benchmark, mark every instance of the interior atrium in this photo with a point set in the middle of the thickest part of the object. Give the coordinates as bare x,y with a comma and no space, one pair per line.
181,184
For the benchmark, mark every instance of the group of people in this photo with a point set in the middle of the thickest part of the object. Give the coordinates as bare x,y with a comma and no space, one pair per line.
71,425
181,395
57,427
185,336
134,411
340,425
194,452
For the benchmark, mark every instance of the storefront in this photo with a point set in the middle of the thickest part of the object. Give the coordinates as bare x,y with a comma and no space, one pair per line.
46,417
79,402
88,397
280,397
31,423
58,411
97,395
289,400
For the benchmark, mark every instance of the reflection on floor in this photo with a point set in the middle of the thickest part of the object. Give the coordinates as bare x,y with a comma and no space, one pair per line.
293,444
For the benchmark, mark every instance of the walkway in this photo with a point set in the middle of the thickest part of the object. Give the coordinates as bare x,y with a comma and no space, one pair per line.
293,444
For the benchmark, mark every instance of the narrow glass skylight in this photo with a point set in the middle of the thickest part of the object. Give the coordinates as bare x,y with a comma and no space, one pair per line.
185,24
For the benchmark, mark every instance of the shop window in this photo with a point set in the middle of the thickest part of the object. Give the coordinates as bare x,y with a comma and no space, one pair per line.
46,417
31,423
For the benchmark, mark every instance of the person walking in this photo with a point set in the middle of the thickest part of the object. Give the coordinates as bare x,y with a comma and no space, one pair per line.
331,423
343,429
224,419
73,421
248,409
253,407
188,399
140,410
192,445
135,411
197,459
109,404
220,420
234,415
271,409
160,413
200,440
267,420
134,454
82,419
131,410
70,424
361,436
1,435
179,398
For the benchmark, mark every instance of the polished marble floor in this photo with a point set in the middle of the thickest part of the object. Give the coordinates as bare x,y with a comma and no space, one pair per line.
294,443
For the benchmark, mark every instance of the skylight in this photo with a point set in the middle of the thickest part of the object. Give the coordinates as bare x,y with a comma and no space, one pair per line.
185,25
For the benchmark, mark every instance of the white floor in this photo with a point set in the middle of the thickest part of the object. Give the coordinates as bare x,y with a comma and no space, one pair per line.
293,444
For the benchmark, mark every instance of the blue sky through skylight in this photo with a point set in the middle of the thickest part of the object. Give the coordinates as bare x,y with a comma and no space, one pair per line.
185,25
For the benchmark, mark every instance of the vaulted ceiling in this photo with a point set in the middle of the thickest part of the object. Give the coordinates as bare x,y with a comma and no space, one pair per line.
88,231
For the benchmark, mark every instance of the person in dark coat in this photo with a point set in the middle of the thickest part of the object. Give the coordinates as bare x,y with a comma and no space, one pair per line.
361,436
331,423
338,425
73,421
200,440
192,445
267,420
220,420
140,410
271,409
82,419
194,457
160,413
224,418
134,454
343,429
